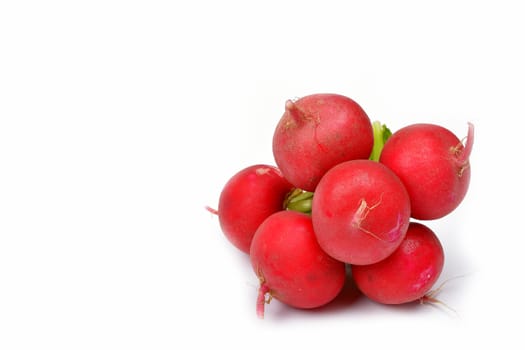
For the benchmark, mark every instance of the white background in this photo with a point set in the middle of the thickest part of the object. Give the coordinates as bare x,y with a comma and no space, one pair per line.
121,120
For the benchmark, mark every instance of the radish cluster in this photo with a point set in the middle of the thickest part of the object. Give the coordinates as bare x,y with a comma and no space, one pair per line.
344,194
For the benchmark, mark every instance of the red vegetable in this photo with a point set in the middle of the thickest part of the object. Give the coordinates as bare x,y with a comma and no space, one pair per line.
290,264
360,212
317,132
247,199
434,166
407,274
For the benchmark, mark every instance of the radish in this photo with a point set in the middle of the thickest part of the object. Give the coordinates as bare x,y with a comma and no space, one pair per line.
434,166
317,132
247,199
408,273
290,264
360,212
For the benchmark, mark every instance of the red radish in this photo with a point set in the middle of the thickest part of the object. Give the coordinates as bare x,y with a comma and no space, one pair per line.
247,199
434,166
317,132
360,212
406,275
290,264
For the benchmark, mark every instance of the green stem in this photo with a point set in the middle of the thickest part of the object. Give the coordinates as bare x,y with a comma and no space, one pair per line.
299,200
381,135
304,206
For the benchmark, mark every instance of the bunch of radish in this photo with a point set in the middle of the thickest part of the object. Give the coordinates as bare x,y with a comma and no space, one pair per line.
344,193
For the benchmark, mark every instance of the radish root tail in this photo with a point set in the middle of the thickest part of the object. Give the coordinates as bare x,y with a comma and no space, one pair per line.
264,295
211,210
263,299
430,297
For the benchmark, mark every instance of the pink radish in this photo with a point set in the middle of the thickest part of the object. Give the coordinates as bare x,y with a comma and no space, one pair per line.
290,264
247,199
317,132
360,212
434,166
408,273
